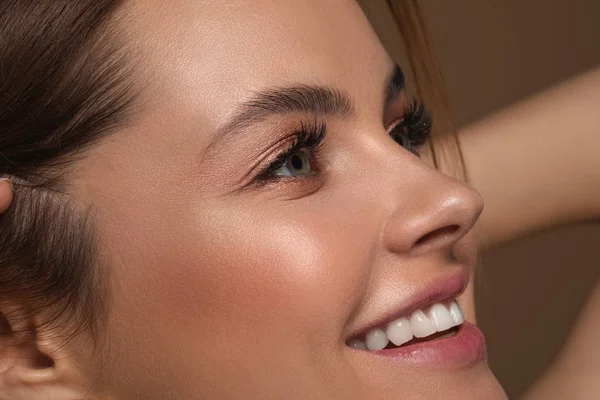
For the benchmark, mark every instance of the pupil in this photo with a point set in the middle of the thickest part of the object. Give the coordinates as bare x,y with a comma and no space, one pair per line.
296,162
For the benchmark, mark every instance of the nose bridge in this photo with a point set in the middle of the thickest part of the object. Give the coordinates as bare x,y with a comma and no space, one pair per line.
430,210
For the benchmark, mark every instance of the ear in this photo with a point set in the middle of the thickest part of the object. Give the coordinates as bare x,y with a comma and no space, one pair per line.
32,368
6,194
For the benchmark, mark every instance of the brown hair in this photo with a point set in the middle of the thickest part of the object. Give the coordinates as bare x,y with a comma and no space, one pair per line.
63,86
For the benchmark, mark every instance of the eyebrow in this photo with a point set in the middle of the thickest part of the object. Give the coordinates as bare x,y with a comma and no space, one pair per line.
308,99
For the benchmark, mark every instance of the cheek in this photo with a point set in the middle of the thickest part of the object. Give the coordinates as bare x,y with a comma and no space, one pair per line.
284,268
233,273
219,290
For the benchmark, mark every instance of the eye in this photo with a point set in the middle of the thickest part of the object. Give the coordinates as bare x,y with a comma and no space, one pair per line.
296,164
301,159
414,129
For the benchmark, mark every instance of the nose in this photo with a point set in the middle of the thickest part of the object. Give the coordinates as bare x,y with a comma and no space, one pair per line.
433,212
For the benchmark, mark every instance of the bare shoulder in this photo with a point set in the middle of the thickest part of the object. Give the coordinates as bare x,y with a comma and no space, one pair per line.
537,163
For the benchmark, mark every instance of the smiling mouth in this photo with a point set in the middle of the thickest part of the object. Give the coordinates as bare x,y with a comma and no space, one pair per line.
439,320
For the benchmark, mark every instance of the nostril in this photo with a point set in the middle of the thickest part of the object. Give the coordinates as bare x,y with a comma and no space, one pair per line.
437,234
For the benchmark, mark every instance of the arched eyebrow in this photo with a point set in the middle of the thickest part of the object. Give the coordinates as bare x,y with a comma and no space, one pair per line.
301,99
308,99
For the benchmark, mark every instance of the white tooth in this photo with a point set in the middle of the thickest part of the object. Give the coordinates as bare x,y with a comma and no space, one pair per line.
421,324
456,313
441,318
376,340
357,344
399,331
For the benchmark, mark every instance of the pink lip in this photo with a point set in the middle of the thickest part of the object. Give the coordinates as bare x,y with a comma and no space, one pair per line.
467,346
444,289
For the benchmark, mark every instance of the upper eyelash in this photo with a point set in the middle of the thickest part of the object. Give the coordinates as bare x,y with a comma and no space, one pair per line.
416,124
310,136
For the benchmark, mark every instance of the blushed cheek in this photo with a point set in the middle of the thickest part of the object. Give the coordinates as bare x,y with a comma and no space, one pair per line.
239,276
216,294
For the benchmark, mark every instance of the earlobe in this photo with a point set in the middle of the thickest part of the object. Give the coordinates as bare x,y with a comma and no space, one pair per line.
32,370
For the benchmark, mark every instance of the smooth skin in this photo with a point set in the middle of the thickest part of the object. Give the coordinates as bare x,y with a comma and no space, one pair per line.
218,281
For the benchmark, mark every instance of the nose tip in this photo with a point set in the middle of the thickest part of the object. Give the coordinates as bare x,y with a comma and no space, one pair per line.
435,221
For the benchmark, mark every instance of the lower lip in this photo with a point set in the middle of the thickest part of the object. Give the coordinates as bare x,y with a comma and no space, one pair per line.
467,346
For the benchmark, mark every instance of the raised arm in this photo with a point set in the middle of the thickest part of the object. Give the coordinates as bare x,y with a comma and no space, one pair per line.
537,163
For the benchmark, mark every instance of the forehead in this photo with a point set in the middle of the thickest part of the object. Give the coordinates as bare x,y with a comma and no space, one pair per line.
216,51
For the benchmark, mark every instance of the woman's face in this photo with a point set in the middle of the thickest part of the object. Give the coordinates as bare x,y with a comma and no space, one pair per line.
239,273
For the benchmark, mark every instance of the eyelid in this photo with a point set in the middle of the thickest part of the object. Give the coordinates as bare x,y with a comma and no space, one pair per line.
395,125
395,110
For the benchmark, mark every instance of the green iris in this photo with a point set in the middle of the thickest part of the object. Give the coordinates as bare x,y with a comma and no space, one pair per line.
296,164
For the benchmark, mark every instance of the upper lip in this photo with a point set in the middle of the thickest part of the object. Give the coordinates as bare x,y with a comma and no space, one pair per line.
439,290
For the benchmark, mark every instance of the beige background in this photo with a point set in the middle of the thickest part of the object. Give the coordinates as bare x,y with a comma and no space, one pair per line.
494,53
